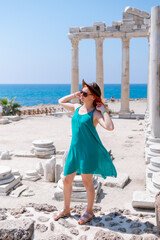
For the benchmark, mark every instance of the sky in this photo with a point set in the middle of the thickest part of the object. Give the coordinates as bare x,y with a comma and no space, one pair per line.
35,48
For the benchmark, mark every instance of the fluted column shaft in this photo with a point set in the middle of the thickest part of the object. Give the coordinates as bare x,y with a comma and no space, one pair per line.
148,82
75,67
99,64
155,71
125,112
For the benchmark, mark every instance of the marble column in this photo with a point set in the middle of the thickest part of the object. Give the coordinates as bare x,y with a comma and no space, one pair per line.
153,154
155,71
99,63
75,68
125,112
148,83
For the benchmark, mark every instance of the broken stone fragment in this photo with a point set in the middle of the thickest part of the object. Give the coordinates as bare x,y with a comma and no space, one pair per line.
74,231
49,170
39,168
17,229
65,223
43,219
5,155
42,207
41,228
100,235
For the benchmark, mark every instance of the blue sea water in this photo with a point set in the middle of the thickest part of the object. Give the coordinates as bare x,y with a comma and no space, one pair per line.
34,94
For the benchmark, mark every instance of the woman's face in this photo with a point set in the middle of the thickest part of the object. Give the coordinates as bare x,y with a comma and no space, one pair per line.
89,96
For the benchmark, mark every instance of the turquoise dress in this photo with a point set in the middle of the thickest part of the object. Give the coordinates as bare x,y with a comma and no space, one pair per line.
87,154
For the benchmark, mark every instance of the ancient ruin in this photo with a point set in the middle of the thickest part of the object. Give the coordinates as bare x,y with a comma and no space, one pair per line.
121,223
134,24
9,180
146,199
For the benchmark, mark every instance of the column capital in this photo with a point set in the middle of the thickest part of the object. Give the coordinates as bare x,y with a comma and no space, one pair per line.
99,42
75,42
125,42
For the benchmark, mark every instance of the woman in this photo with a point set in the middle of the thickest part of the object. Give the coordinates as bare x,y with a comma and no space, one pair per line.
87,155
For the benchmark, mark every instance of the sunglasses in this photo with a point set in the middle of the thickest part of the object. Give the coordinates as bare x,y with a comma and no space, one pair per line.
85,94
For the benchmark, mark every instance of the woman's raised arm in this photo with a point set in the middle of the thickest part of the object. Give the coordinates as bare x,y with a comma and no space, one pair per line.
64,101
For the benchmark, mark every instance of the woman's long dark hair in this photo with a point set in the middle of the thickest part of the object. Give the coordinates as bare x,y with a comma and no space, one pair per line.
97,99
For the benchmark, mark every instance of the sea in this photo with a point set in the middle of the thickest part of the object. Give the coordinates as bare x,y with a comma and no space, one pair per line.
34,94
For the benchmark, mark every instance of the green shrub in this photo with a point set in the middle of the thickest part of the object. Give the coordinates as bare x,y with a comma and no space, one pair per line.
10,107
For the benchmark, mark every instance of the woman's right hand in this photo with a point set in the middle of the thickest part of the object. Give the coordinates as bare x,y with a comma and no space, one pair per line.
77,94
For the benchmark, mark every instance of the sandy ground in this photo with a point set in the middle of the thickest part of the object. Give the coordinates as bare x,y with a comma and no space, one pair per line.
126,143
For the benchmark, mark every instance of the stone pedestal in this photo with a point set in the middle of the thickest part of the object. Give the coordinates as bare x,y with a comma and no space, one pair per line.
150,141
125,112
154,166
99,64
78,190
152,152
8,181
154,140
43,148
153,186
31,175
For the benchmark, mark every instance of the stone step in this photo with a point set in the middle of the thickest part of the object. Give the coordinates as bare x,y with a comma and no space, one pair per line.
78,180
153,168
39,153
7,180
148,143
4,170
77,196
43,149
155,161
156,180
5,188
153,139
151,189
142,199
32,178
155,148
151,154
77,188
31,173
42,143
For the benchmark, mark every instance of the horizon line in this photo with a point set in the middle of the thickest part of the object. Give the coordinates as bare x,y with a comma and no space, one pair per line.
58,83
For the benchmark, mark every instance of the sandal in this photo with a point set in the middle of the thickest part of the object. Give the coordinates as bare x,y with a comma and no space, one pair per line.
85,218
60,214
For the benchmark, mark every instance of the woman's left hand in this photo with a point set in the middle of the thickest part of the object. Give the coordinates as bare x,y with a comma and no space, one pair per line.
100,107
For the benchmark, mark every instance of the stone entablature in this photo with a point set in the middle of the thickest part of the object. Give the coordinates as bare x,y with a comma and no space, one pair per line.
135,23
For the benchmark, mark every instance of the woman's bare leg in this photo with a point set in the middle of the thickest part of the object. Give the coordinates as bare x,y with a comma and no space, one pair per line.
67,190
88,183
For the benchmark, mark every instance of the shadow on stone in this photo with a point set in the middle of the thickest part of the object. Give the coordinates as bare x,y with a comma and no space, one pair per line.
101,196
121,221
